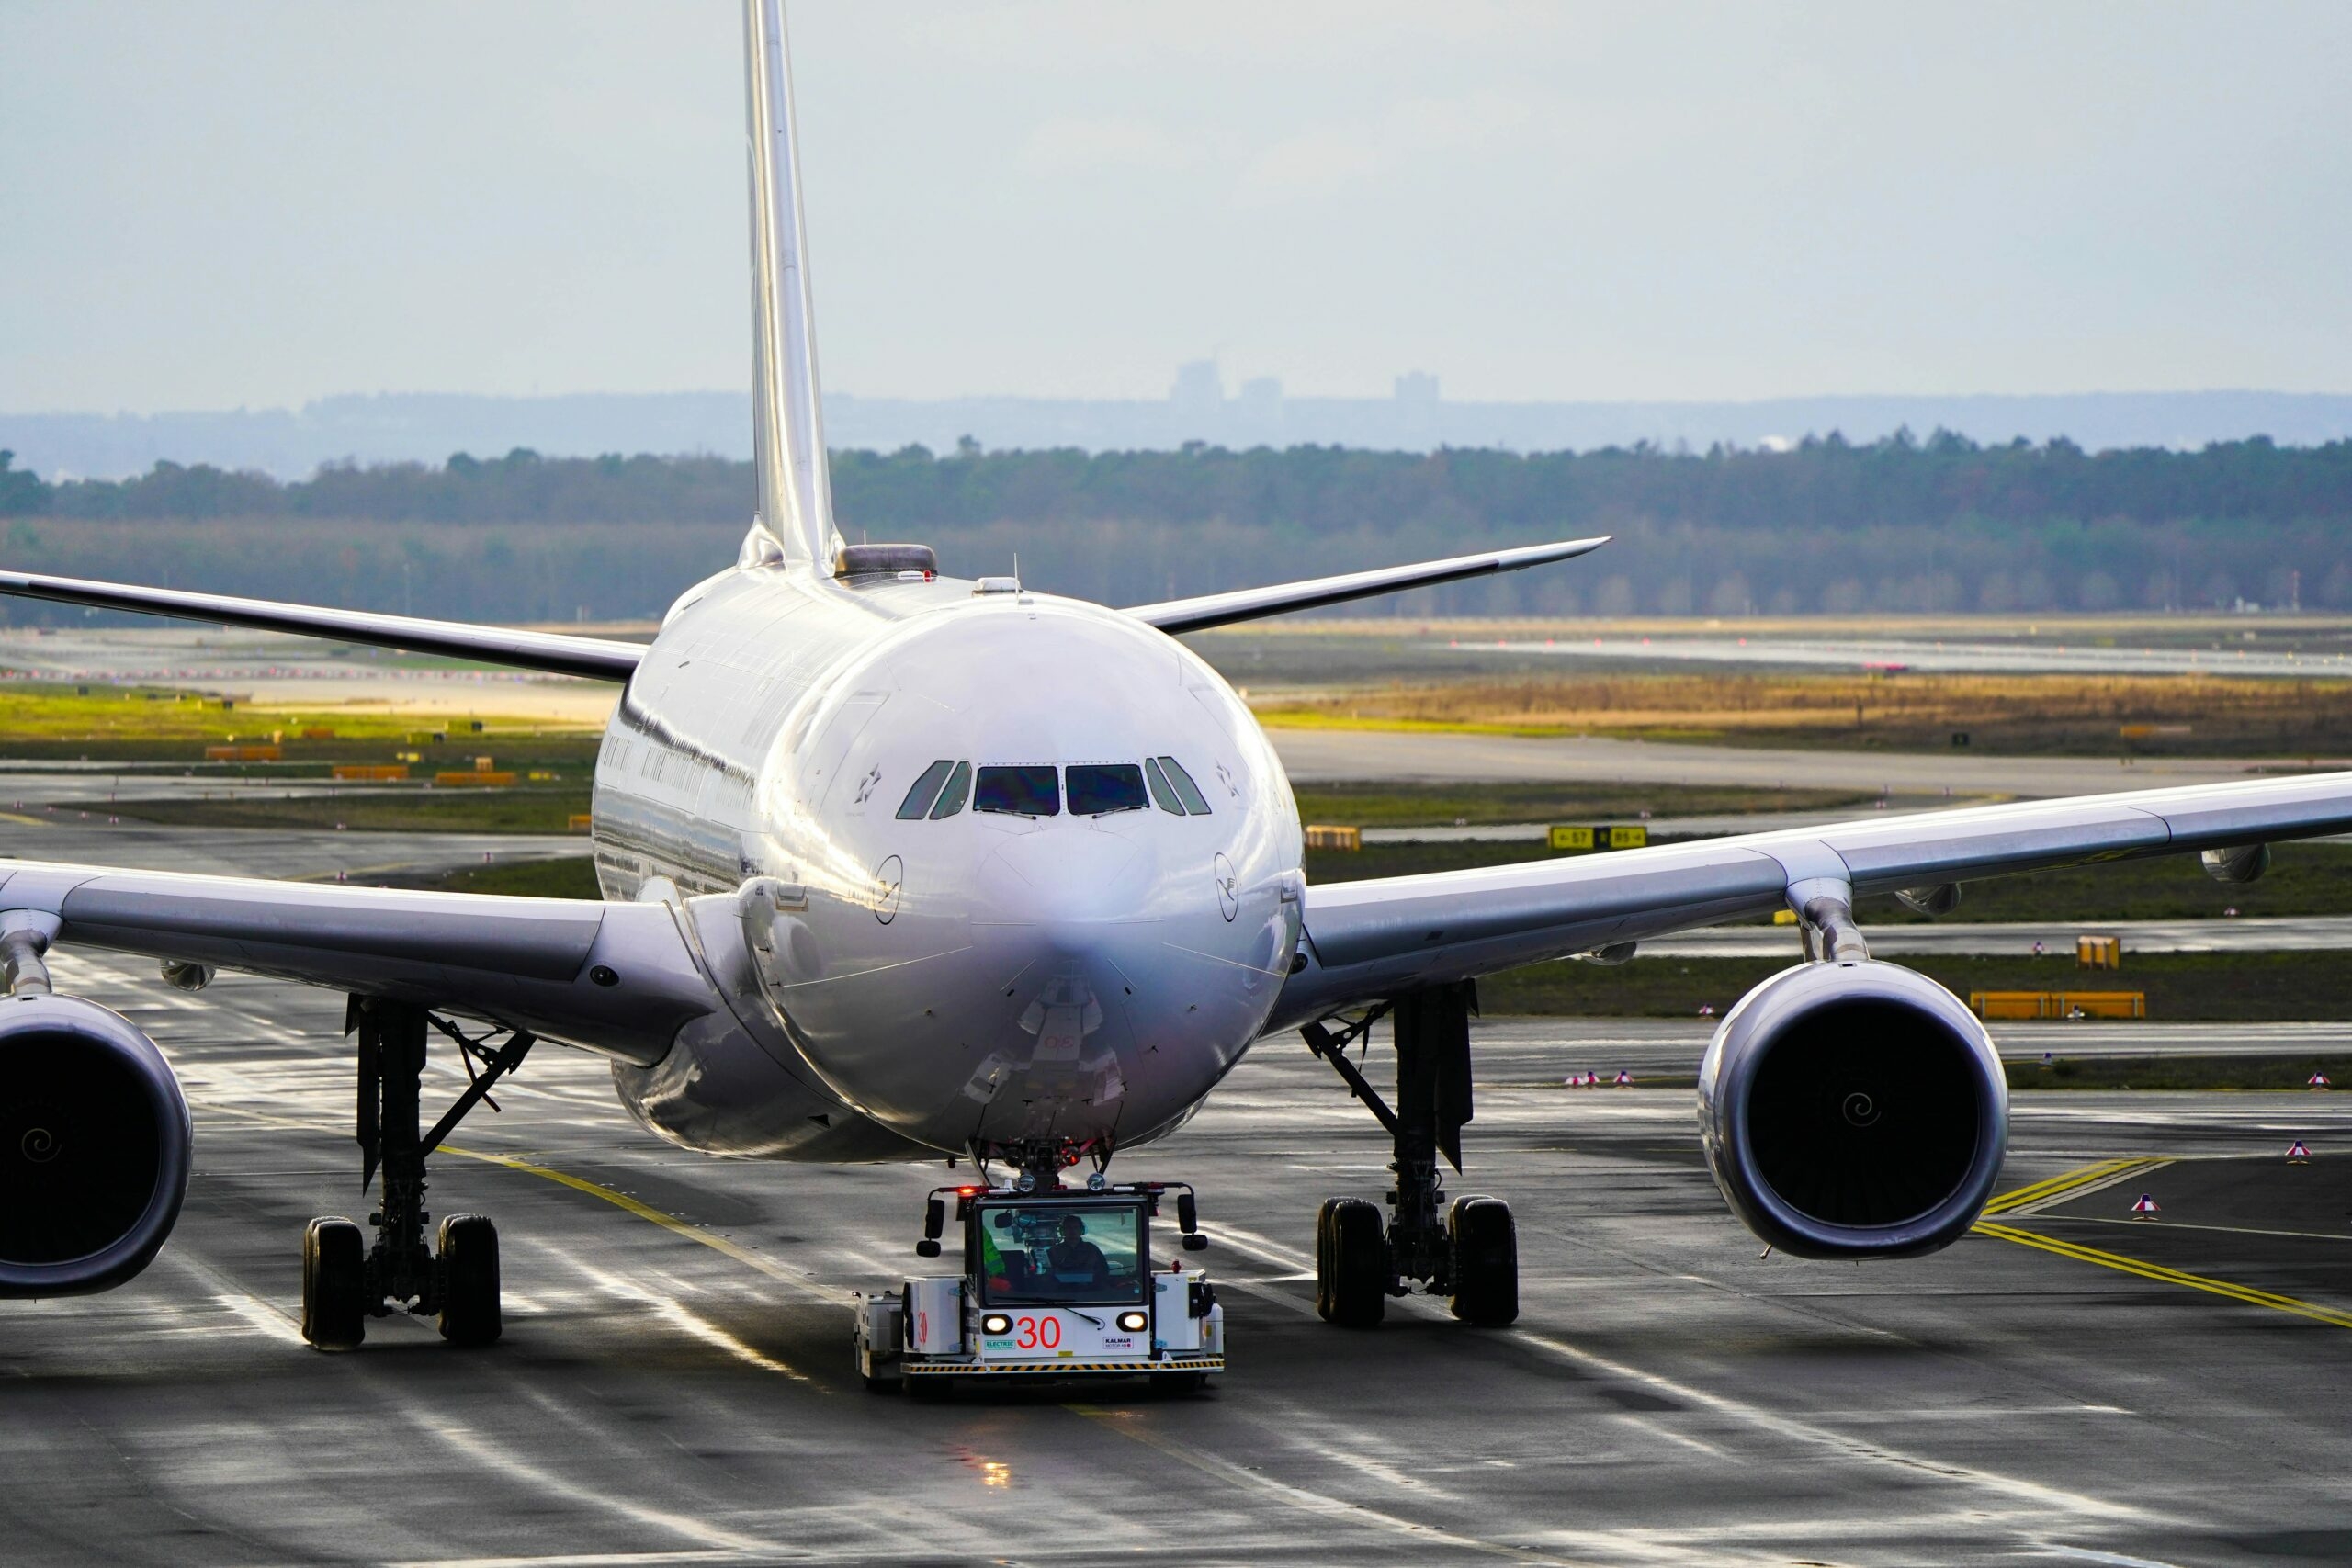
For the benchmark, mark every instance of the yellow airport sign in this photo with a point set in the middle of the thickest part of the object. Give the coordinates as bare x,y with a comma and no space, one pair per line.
1569,839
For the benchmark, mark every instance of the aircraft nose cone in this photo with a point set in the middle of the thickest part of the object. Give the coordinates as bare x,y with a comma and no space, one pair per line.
1070,886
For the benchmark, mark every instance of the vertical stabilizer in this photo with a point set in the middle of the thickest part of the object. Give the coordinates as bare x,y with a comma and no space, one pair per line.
788,431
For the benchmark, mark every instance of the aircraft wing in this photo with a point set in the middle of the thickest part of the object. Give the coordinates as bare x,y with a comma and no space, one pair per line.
617,978
1253,603
1373,939
555,653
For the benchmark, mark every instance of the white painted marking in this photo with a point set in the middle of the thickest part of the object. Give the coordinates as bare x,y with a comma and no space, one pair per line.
487,1452
2114,1559
1784,1427
581,1559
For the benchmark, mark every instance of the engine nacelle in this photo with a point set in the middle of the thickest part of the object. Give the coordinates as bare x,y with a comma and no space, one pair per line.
1853,1110
2241,864
94,1143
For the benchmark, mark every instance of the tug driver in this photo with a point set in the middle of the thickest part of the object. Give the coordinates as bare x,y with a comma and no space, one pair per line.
1075,1258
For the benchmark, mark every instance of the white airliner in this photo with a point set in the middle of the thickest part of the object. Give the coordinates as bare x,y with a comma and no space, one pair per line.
902,867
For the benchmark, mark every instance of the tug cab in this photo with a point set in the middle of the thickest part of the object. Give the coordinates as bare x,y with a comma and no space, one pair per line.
1056,1283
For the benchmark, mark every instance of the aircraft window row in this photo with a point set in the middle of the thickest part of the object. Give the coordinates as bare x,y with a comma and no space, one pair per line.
1094,789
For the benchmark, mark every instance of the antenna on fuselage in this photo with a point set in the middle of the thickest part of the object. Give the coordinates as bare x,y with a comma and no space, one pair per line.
795,505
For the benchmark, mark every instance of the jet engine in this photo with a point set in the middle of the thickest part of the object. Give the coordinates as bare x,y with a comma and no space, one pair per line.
1853,1110
95,1142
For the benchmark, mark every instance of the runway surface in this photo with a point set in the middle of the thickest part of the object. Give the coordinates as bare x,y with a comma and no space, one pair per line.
1314,755
1930,656
1525,1050
33,787
2272,934
287,854
676,1386
281,671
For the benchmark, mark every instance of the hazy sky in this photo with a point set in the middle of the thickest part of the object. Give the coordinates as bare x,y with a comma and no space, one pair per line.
214,204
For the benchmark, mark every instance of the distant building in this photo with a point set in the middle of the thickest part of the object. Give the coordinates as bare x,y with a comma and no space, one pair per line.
1256,416
1198,393
1416,421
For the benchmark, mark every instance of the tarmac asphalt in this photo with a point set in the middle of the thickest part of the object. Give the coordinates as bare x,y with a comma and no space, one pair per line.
674,1385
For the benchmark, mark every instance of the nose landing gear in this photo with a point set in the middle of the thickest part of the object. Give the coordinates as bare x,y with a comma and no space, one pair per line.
454,1280
1468,1253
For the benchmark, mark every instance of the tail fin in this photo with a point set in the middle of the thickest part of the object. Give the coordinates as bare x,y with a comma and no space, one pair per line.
787,431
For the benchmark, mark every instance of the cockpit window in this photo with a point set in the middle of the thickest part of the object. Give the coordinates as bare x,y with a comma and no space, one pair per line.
1186,790
1097,789
1161,792
925,790
1018,792
959,790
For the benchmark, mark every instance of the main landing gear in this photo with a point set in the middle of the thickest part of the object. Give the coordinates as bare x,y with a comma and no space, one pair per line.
1468,1252
345,1280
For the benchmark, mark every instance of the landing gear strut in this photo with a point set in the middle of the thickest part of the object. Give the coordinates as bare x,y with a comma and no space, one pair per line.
454,1280
1468,1252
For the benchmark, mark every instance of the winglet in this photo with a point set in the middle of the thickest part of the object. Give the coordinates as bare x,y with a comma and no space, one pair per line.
1250,603
788,429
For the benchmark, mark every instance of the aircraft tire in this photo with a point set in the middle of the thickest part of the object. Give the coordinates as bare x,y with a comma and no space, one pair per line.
466,1247
334,1284
1486,1261
1351,1264
1323,1259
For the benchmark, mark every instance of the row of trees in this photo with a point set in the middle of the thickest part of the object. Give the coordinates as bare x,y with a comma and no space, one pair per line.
1827,482
1940,525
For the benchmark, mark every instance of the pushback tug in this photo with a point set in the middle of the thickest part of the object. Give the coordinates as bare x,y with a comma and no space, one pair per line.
1057,1283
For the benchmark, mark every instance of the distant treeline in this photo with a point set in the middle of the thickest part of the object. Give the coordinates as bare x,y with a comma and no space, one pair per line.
1943,523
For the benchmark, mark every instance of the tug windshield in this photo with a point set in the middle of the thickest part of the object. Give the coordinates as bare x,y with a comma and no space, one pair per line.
1048,1252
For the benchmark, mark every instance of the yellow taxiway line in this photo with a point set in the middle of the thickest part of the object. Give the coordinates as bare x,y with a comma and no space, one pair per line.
2068,1182
2105,1173
671,1223
2162,1275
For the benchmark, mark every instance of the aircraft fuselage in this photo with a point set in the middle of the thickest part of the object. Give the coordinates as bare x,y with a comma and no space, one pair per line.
961,938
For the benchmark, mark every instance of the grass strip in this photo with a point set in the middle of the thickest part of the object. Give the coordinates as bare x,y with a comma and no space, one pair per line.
1385,805
570,877
522,809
